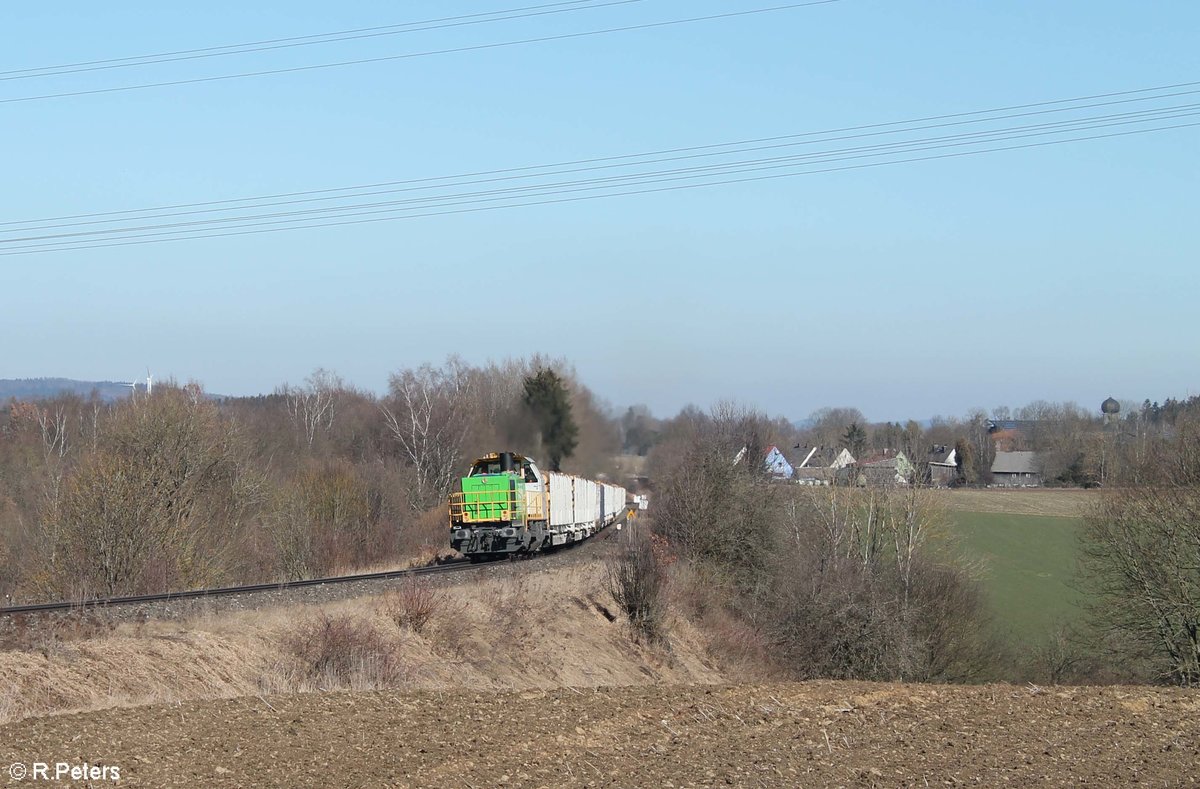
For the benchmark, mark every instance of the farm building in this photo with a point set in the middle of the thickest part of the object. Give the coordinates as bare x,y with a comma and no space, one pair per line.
886,468
823,465
1016,470
943,465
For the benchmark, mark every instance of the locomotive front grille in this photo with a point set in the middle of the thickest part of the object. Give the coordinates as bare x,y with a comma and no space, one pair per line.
487,506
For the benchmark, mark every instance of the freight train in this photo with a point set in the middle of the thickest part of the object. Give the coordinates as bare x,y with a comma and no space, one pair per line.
507,506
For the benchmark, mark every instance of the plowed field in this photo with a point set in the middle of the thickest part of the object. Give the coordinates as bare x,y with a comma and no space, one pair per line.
813,734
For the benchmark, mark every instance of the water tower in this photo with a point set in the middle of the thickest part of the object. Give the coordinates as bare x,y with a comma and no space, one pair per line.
1110,408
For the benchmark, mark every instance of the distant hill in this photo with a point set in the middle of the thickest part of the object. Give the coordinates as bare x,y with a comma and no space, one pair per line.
45,388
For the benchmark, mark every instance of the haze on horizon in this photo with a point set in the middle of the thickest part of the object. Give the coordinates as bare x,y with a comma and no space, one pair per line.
1062,272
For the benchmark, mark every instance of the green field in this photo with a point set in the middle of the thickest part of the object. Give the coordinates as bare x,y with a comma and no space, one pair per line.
1027,563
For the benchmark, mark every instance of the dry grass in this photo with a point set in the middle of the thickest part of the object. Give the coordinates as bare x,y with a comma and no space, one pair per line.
1051,502
413,606
742,651
501,633
345,651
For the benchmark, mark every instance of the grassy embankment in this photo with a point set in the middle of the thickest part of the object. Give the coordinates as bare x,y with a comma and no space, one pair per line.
1024,543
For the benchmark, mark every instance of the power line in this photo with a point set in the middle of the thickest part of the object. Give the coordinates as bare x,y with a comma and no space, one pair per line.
894,126
308,40
557,195
1060,126
427,53
596,197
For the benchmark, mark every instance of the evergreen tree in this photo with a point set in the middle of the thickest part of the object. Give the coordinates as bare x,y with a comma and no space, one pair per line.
549,402
964,459
855,438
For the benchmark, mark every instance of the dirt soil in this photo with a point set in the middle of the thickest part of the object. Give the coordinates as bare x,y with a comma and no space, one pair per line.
811,734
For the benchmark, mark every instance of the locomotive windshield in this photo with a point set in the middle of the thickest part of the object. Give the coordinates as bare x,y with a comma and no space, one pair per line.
485,467
500,463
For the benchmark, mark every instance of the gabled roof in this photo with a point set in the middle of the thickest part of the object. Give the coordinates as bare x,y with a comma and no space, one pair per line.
886,458
777,463
941,453
817,457
1015,463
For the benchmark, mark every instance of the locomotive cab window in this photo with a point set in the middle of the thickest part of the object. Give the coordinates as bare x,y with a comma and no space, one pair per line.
479,469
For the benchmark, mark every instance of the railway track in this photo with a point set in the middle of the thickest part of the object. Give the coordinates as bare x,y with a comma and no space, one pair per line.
231,591
455,566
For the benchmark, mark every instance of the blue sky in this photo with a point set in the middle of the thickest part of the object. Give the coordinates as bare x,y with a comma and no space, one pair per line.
1059,272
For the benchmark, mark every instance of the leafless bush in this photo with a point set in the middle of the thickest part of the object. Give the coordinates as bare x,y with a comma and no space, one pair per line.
948,627
838,626
842,582
1060,658
340,650
636,580
719,514
1141,551
735,641
860,597
426,536
413,605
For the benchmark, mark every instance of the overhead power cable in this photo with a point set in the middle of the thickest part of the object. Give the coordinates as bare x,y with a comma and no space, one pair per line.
426,53
968,138
715,149
337,36
391,206
123,243
595,163
624,184
151,237
1139,116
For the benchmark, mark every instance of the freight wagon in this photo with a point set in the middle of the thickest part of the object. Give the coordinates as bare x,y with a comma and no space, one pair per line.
507,506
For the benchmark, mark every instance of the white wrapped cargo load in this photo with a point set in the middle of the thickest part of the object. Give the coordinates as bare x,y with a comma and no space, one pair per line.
587,501
613,501
578,502
562,499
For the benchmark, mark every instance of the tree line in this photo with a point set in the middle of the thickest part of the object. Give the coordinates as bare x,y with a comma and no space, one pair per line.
1073,446
177,490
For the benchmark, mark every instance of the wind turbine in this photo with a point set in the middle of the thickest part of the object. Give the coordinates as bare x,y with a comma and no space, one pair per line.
132,388
149,382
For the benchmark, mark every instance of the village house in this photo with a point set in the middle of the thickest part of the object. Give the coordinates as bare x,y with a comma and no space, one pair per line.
1016,470
822,465
943,465
885,468
777,465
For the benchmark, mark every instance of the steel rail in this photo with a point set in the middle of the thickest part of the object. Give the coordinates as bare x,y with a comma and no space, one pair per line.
457,565
228,591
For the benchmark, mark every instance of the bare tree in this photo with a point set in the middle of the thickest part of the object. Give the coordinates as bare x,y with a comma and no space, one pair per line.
428,413
313,406
157,503
910,518
829,425
1142,559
